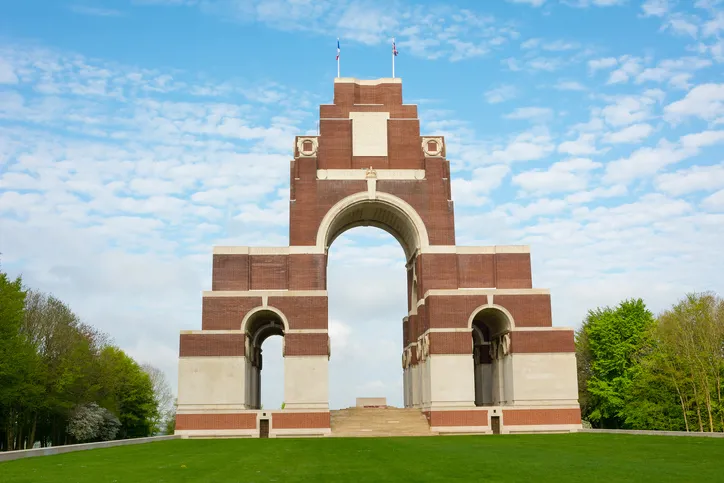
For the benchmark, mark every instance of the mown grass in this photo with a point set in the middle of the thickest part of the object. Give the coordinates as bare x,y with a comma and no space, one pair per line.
557,458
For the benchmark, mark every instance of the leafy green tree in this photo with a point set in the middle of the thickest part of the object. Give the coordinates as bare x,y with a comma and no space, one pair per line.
129,393
612,339
19,369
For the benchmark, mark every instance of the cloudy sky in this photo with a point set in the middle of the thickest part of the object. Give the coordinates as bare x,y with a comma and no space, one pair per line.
137,134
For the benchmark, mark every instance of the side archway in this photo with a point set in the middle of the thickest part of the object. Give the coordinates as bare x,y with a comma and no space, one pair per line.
490,328
258,325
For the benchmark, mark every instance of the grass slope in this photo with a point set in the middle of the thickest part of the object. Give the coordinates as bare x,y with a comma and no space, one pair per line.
559,458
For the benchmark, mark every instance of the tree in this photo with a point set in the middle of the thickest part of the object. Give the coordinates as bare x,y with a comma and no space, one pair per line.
610,340
129,393
162,395
691,335
19,368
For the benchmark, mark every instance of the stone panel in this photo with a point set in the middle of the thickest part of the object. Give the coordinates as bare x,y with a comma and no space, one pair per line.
540,341
527,310
305,344
226,313
526,417
513,270
300,420
230,272
211,345
458,418
216,421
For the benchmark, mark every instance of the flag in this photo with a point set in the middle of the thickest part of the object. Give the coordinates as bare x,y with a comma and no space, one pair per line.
337,49
394,49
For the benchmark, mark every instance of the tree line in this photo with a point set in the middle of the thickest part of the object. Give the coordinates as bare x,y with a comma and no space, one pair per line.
638,371
63,381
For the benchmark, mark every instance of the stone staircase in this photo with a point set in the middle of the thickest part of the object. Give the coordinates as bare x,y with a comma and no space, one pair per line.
379,422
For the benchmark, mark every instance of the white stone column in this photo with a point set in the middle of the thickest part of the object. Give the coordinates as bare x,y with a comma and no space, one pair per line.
306,382
415,383
406,386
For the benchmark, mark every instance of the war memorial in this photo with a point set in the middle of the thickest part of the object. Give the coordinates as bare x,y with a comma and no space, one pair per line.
480,354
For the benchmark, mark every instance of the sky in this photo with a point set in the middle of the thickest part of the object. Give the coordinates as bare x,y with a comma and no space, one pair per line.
135,135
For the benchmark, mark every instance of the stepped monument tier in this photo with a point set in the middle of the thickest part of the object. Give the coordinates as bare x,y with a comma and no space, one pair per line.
480,353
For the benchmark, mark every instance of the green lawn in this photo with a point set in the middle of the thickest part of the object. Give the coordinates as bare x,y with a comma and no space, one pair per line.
571,457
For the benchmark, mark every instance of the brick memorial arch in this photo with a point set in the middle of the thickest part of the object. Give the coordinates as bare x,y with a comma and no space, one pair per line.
479,347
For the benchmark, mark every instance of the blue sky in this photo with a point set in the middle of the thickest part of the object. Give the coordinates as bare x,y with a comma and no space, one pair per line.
135,135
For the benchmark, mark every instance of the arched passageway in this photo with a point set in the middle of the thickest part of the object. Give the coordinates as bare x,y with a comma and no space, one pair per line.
491,346
366,290
258,327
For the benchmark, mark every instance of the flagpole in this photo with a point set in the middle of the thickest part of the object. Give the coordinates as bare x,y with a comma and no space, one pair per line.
337,56
393,57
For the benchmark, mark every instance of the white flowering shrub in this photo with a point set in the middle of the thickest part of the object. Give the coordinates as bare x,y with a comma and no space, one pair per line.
91,422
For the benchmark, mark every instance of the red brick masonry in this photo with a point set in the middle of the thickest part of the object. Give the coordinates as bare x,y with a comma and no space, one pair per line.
458,418
215,421
284,420
195,345
527,417
542,341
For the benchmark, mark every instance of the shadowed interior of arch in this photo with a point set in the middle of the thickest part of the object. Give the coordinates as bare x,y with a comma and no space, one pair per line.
490,329
381,214
260,326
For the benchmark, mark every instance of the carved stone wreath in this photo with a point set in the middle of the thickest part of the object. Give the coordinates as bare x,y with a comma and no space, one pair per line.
432,147
309,142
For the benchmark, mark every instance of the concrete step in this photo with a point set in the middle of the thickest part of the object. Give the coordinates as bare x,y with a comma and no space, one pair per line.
379,422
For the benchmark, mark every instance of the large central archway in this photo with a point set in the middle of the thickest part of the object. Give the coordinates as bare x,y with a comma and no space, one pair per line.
396,217
384,211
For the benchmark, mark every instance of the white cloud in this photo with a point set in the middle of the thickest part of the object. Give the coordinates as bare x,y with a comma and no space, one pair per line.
532,3
714,202
705,101
626,110
682,24
7,74
603,63
569,175
677,72
475,191
570,86
597,193
583,145
500,94
647,161
655,8
528,146
530,113
630,134
695,178
629,66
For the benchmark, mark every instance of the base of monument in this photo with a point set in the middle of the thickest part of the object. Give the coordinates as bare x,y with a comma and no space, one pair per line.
315,423
211,423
